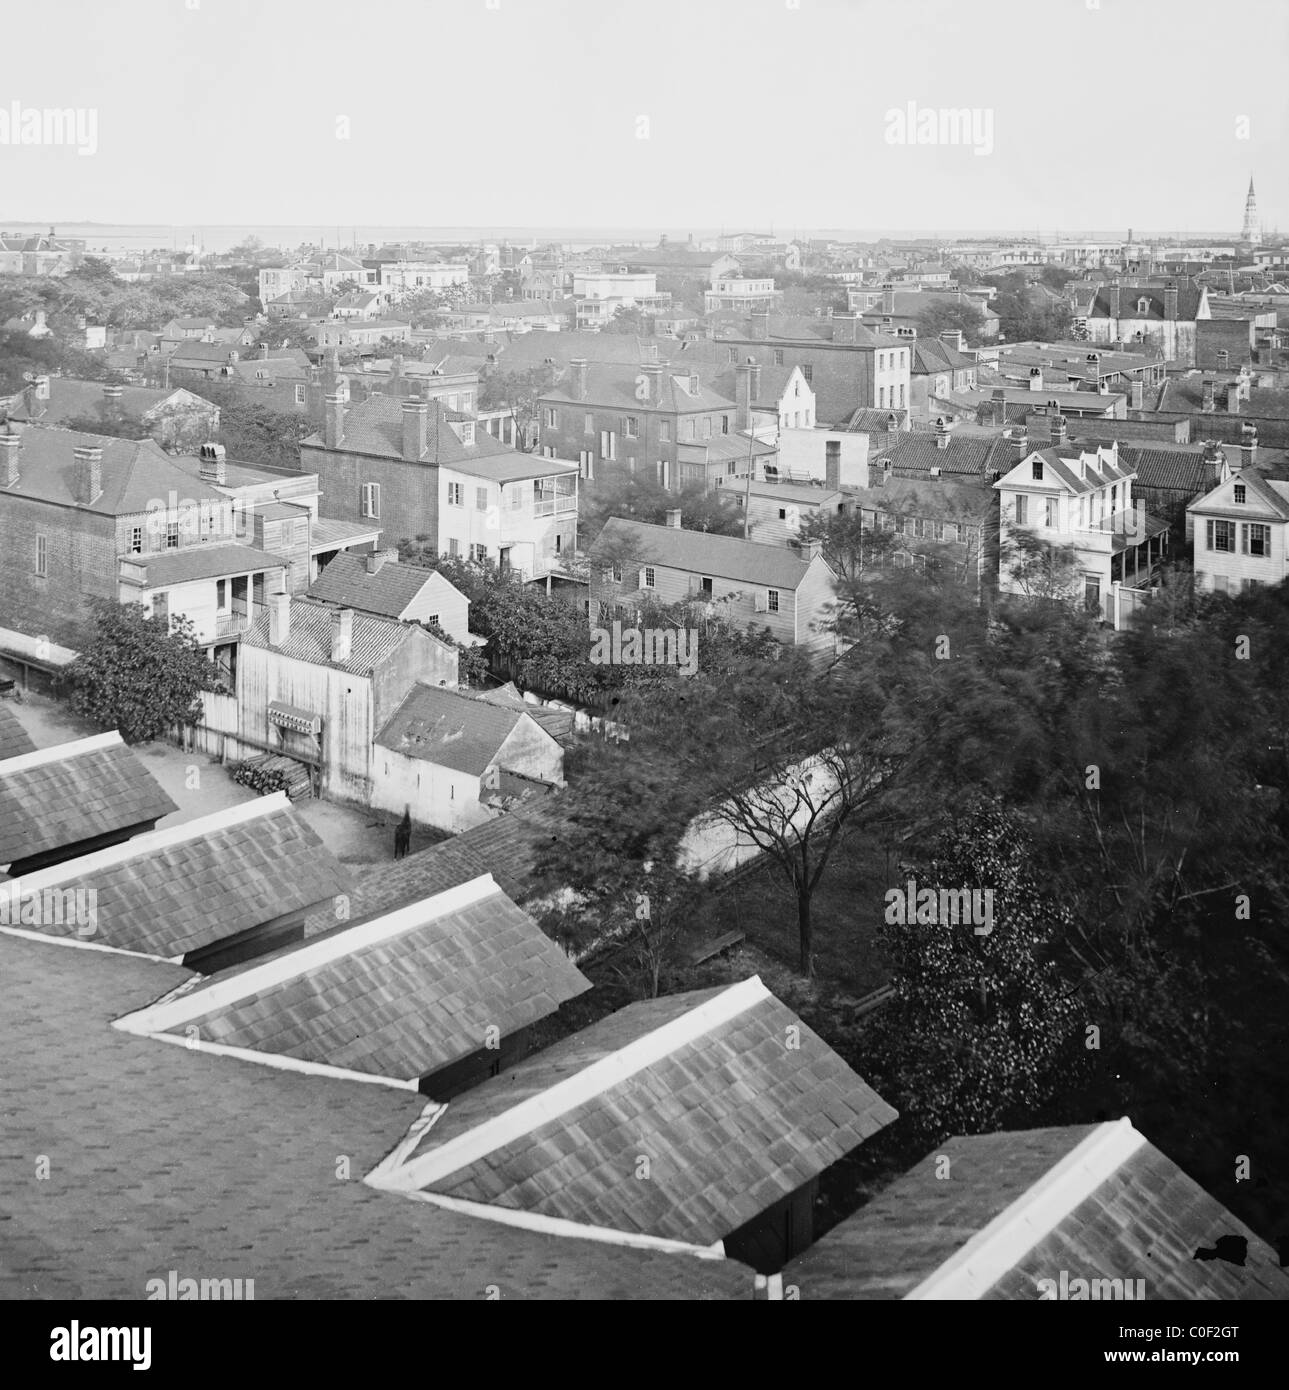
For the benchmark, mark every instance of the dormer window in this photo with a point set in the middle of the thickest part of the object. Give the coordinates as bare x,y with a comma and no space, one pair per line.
1239,491
1143,306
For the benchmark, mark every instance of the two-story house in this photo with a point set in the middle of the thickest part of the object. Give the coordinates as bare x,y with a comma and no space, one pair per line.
649,420
1162,314
176,419
377,583
420,469
86,517
940,370
1241,531
1077,501
634,564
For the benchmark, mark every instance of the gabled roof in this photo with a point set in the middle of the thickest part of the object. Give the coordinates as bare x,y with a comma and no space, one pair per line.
398,996
1271,494
71,792
134,472
374,640
868,419
930,355
174,891
731,1120
13,737
70,398
242,1175
194,350
701,552
387,593
1066,465
1190,296
1096,1201
449,730
916,453
557,722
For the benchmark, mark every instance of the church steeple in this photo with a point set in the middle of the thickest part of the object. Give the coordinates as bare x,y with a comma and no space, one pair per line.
1251,232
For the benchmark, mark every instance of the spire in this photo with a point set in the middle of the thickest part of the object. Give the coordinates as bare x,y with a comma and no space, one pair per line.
1251,232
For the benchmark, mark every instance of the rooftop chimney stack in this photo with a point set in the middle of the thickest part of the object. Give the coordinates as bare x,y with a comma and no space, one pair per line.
214,465
812,549
1170,301
87,479
578,368
416,416
1233,399
1060,433
760,324
1020,442
941,433
1138,395
744,393
376,558
1213,458
333,425
342,635
888,298
10,445
832,471
1036,378
952,337
1249,443
112,401
845,328
1208,392
673,518
279,619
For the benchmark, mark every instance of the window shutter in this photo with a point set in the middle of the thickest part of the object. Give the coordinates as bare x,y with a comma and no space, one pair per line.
1208,535
1244,538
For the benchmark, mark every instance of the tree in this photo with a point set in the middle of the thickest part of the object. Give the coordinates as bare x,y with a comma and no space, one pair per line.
641,497
982,1027
251,430
142,675
628,319
944,314
518,392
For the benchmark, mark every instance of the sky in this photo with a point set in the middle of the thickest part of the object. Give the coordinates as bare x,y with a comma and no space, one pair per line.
675,114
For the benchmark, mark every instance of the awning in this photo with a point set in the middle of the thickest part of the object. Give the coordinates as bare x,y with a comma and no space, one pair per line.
291,717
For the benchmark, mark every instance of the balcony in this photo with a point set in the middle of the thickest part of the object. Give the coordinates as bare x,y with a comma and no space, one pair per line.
230,626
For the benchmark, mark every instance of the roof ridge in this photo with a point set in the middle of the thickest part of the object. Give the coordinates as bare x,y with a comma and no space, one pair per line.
585,1084
972,1270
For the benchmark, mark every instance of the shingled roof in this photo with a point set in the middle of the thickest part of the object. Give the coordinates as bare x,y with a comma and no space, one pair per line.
13,737
731,1118
244,1191
916,454
450,730
174,891
701,552
399,996
374,640
1097,1201
59,796
387,593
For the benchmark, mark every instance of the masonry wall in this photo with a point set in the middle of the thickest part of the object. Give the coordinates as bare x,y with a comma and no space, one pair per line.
81,565
1234,336
673,586
408,491
437,796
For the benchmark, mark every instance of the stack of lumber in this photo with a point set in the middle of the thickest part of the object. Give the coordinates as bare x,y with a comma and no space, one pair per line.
273,773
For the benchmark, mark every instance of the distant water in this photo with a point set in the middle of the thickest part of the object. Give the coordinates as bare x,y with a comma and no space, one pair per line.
102,236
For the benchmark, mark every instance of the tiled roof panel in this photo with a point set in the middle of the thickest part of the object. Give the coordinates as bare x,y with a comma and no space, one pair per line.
374,640
700,552
13,737
179,899
737,1078
240,1194
408,1005
388,592
76,798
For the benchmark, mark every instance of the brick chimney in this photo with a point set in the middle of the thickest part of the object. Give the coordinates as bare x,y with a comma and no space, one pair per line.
998,407
812,549
941,433
342,635
888,298
832,471
313,395
1036,378
279,619
1170,301
1214,458
673,518
333,425
214,465
747,381
1248,443
1138,395
1020,443
952,338
416,417
845,328
1112,292
112,401
578,369
376,558
1059,431
760,324
1208,389
87,476
1233,399
10,445
652,374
